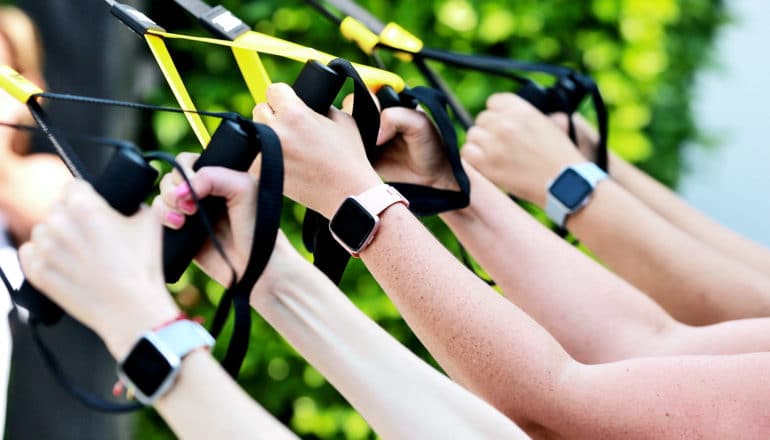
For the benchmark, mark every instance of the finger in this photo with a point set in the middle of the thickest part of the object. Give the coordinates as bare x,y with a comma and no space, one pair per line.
224,182
472,154
39,272
175,195
166,215
401,120
479,137
263,113
500,101
186,161
347,104
561,120
283,100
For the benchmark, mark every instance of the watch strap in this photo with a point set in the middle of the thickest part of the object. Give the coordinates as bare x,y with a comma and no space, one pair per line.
381,197
183,336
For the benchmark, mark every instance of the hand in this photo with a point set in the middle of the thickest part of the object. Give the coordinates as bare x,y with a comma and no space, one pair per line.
235,232
518,148
587,136
412,150
324,157
101,267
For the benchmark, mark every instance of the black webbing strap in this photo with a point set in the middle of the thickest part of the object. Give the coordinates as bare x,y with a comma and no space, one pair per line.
425,200
268,220
329,256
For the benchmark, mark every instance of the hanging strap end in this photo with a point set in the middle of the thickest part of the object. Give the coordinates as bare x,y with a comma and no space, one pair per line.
358,33
223,23
18,86
134,19
399,38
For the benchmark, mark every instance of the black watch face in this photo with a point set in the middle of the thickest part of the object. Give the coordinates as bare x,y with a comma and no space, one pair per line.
352,224
146,367
571,189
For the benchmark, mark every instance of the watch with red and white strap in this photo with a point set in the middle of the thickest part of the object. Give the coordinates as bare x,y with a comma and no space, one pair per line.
357,220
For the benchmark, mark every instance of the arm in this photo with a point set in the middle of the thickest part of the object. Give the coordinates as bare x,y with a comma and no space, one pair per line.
125,284
521,150
673,208
385,382
486,342
595,315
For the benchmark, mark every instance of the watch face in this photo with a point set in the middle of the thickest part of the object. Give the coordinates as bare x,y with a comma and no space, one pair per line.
352,224
146,367
570,189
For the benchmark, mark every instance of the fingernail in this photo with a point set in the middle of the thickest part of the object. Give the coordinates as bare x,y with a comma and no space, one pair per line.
182,191
187,206
174,219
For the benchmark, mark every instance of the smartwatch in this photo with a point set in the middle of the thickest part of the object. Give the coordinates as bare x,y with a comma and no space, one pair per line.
358,218
152,365
571,190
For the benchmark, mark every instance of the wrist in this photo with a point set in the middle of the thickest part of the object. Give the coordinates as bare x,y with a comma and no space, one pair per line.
351,186
122,328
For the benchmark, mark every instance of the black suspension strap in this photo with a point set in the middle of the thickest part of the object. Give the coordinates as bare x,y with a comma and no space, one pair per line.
127,182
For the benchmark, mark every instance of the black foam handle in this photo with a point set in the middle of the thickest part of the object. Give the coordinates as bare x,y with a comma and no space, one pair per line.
317,85
235,146
125,183
232,146
388,98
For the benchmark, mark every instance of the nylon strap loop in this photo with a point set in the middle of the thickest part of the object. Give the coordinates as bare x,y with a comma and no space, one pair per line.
266,44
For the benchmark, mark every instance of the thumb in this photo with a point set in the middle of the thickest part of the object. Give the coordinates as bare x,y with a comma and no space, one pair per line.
400,120
233,186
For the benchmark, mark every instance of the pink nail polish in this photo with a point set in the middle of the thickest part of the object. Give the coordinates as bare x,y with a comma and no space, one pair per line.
187,206
182,191
174,219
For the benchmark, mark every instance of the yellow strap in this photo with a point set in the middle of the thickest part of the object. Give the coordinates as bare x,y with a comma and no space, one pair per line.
253,72
170,72
358,33
265,44
17,86
395,36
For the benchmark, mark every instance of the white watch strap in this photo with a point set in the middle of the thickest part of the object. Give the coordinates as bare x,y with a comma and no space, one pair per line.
555,209
591,172
379,198
182,337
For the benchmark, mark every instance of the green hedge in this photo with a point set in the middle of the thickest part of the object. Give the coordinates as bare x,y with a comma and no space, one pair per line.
644,54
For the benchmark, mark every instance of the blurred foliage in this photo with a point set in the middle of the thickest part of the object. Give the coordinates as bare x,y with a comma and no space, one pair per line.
644,54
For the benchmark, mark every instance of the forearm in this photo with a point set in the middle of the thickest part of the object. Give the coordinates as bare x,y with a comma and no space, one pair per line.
205,403
483,341
692,281
596,316
396,392
674,209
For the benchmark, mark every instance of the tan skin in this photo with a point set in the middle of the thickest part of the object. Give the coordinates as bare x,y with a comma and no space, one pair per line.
28,184
674,209
521,150
491,346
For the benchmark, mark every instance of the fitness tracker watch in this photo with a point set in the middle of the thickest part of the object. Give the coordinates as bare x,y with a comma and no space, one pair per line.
358,218
571,190
152,365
